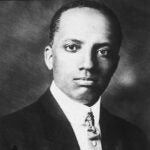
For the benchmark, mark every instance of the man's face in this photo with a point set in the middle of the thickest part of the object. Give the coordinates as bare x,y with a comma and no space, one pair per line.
83,53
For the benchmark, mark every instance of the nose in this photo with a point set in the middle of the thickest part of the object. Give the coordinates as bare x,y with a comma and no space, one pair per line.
87,62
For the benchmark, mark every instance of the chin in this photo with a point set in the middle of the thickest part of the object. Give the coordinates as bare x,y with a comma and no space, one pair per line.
90,102
87,98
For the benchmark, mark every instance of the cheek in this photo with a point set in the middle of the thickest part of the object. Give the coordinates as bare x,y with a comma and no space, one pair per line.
62,66
66,61
107,66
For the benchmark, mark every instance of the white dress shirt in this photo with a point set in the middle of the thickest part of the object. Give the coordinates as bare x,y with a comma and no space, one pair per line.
76,114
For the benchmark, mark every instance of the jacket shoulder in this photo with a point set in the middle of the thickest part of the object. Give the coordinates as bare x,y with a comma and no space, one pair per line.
115,127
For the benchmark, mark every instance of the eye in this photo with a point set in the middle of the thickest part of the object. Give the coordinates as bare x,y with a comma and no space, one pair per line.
71,47
103,52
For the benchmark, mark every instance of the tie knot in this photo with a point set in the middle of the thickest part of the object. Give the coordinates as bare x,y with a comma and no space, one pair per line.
93,132
89,120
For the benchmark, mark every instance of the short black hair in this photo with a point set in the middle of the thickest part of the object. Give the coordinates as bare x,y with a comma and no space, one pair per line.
54,26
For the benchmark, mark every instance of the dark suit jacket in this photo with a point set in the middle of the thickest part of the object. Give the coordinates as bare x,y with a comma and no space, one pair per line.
43,126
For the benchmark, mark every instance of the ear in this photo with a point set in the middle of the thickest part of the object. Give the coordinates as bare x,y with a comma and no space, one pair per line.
48,57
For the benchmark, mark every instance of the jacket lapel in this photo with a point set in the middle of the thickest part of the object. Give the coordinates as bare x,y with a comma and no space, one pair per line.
110,131
56,126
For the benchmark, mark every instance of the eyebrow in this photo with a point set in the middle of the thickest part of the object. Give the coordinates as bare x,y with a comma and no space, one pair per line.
103,44
75,41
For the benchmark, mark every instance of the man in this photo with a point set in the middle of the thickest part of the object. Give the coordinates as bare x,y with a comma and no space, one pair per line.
85,38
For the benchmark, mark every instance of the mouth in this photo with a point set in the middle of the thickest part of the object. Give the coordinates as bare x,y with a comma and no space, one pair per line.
85,81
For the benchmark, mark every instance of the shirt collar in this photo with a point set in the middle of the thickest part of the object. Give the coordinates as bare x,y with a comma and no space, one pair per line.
74,111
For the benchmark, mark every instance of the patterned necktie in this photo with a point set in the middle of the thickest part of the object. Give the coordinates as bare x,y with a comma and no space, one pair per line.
92,132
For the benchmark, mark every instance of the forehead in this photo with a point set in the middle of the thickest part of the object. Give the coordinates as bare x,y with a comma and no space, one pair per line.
84,21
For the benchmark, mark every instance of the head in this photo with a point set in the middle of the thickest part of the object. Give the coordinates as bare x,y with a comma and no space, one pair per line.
85,38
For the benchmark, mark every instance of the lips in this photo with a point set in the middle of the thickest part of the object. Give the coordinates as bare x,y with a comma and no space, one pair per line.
85,81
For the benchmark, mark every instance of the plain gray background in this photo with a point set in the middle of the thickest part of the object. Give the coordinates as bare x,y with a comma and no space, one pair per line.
24,27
